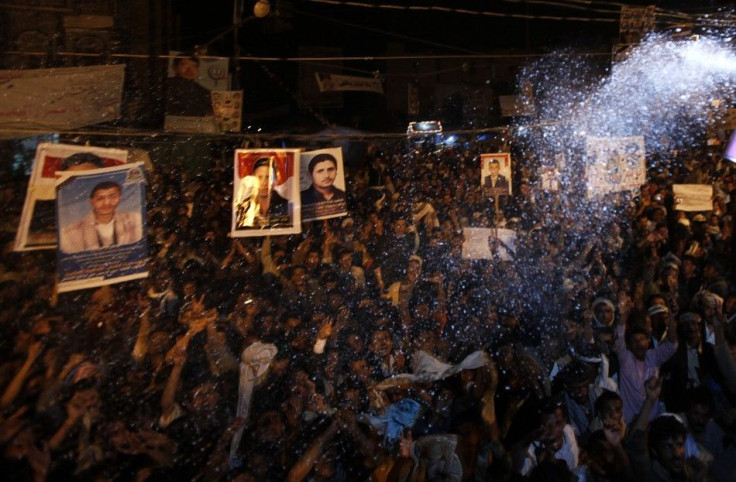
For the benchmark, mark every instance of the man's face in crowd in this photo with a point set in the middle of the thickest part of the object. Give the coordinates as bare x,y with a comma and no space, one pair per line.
262,174
400,227
693,336
604,313
578,392
612,410
323,174
312,260
553,426
105,201
187,69
671,454
381,343
638,344
697,417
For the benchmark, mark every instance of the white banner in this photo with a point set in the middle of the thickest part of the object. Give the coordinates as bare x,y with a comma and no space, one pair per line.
693,197
63,98
338,83
614,164
477,243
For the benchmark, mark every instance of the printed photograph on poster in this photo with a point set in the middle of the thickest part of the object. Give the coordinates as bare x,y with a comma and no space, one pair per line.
614,164
266,192
322,183
37,227
189,106
101,227
495,174
549,179
228,107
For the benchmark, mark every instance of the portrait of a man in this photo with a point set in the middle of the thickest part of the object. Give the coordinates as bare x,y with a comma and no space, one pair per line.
495,183
104,226
184,96
323,172
259,205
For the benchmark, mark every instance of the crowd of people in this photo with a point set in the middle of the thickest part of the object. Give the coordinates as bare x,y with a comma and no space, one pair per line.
600,346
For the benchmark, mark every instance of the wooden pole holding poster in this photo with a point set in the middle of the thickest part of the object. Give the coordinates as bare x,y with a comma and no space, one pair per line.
498,209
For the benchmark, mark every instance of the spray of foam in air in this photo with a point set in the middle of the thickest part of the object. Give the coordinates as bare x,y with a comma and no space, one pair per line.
662,85
662,90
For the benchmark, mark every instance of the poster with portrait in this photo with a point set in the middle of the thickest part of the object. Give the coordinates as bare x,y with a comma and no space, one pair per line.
495,172
488,243
266,192
614,164
549,178
322,184
101,221
189,105
228,106
37,227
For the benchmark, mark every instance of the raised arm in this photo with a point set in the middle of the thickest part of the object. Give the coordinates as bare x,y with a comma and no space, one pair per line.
304,465
13,389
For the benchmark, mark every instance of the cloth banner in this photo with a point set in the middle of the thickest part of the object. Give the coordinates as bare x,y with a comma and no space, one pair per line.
614,164
426,368
693,197
254,363
477,243
326,180
101,227
266,192
63,98
343,83
37,228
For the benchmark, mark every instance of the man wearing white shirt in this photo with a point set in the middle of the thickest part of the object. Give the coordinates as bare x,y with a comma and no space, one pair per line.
104,226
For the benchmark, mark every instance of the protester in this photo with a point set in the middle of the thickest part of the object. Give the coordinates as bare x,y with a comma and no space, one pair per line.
370,346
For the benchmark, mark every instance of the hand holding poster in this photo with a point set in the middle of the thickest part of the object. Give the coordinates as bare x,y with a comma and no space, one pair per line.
101,219
693,197
322,185
266,192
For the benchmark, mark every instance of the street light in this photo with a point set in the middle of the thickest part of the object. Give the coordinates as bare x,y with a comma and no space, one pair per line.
261,9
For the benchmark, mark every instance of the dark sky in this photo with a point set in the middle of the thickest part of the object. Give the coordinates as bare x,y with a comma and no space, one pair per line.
366,31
